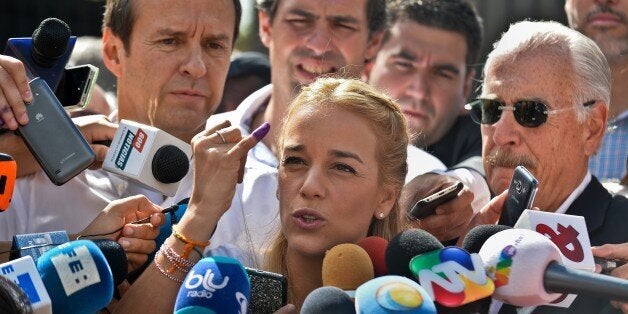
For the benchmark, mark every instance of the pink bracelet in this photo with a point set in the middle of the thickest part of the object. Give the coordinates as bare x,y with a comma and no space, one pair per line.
168,275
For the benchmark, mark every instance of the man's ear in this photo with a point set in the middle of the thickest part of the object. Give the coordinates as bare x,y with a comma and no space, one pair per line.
595,127
373,45
112,51
468,83
264,28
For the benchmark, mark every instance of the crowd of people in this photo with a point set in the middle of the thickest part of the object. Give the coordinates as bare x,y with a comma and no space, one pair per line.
362,109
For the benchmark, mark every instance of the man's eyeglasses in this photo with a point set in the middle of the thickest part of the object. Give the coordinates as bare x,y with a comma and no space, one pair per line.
528,113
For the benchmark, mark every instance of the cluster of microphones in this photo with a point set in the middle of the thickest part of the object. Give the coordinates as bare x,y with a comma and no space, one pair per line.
411,273
414,273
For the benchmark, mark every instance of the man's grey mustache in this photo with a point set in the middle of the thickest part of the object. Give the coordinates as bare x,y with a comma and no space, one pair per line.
508,159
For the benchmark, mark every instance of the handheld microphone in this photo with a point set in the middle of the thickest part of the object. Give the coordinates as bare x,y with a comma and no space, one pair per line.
149,156
406,245
8,173
23,273
116,259
215,284
393,294
77,277
375,247
477,236
569,233
46,53
527,270
328,299
347,266
12,299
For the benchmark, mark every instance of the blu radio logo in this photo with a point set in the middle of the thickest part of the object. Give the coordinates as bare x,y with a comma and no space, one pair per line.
194,281
501,272
451,276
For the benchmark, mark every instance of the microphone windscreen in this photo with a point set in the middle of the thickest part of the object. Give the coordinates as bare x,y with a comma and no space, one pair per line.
215,284
50,40
406,245
116,258
393,294
77,277
328,299
8,172
346,266
375,247
516,260
477,236
170,164
12,298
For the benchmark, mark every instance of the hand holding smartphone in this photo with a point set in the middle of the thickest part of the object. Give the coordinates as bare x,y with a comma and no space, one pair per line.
427,206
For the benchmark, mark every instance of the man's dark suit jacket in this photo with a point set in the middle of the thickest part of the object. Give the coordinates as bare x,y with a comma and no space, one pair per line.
606,217
460,143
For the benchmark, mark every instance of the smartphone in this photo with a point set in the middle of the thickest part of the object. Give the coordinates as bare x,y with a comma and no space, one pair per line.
76,85
51,136
608,265
521,193
269,291
427,206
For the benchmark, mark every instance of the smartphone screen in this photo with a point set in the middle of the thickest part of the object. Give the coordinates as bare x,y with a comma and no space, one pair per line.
75,88
427,206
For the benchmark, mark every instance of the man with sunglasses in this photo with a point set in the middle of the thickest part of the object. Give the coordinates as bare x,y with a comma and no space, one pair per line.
544,105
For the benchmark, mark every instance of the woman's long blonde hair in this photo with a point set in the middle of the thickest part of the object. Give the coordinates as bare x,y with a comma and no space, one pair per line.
390,127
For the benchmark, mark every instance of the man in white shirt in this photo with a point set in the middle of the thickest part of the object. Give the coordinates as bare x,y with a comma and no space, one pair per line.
171,59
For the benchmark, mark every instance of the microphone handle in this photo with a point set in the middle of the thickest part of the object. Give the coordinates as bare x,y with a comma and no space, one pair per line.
561,279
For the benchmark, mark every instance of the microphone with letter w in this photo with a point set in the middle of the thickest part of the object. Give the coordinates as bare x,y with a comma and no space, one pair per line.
149,156
451,276
215,284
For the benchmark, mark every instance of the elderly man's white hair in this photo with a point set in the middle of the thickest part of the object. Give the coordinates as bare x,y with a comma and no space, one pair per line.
593,75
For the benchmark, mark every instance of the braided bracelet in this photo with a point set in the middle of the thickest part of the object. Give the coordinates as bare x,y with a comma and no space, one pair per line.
177,261
168,275
189,244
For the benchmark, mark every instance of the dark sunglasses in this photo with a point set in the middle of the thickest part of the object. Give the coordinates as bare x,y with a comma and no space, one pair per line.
528,113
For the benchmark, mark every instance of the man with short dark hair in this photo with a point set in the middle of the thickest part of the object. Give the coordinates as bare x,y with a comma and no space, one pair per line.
425,63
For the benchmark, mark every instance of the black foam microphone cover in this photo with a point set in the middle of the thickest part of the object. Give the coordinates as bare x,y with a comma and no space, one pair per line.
116,258
406,245
12,298
50,41
477,236
170,164
329,300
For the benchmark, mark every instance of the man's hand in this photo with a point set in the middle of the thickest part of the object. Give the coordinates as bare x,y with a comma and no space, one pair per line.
138,240
96,128
451,218
619,252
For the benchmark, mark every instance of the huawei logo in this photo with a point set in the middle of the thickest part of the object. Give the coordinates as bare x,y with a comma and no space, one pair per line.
39,116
